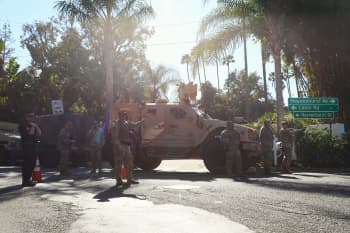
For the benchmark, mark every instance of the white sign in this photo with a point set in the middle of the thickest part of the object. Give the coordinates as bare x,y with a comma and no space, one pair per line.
57,107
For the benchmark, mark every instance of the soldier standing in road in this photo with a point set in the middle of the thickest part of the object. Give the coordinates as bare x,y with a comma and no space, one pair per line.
266,141
286,140
96,141
231,139
121,141
64,144
30,133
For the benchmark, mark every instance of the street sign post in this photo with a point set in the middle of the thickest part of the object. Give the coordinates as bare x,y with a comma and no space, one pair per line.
313,104
313,115
313,108
57,107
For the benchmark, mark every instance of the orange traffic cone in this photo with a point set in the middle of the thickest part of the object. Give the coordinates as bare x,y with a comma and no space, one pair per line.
36,175
123,172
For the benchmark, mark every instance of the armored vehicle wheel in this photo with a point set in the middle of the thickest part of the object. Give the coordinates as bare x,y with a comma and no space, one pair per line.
146,163
214,157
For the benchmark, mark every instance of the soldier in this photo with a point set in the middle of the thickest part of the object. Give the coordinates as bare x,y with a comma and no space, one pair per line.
286,140
121,141
64,143
231,139
96,141
266,141
30,132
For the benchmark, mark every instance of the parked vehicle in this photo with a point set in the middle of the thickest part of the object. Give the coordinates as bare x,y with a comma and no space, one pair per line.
10,147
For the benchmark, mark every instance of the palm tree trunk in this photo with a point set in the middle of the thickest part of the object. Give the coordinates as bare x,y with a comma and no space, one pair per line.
245,49
205,75
199,75
217,73
263,59
109,67
279,84
188,74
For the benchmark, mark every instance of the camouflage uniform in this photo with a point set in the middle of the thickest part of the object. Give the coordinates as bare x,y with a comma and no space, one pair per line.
231,140
286,139
96,142
65,137
266,141
121,141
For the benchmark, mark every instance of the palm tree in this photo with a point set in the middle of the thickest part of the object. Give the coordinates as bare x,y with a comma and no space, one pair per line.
104,11
199,53
227,61
264,58
158,81
195,64
228,23
186,59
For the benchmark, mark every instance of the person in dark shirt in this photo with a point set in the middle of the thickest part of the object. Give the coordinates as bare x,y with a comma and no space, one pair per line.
266,142
30,133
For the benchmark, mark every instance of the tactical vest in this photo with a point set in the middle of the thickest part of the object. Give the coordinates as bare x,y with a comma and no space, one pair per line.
124,136
230,138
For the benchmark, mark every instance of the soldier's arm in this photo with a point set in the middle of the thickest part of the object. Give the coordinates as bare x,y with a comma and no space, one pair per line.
38,131
136,124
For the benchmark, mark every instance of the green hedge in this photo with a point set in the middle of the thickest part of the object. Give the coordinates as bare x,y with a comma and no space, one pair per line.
318,149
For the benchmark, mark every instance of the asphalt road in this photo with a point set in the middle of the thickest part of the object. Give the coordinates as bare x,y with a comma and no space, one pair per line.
181,196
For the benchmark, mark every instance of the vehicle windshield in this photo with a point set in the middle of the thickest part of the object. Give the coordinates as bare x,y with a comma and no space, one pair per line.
201,113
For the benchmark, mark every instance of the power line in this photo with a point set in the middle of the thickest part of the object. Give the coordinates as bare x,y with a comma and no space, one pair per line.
172,43
175,24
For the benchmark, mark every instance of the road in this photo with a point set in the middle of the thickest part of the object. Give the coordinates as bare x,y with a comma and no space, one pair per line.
181,196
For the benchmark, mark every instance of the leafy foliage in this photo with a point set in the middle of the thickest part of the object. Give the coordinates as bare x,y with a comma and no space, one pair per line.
317,148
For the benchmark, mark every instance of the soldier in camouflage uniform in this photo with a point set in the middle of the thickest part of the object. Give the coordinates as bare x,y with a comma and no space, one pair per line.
121,141
231,139
96,141
287,143
266,141
64,143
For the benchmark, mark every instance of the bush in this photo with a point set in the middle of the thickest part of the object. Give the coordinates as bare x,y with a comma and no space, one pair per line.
318,149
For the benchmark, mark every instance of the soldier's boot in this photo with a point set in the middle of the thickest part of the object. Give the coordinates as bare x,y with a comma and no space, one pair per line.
119,182
132,181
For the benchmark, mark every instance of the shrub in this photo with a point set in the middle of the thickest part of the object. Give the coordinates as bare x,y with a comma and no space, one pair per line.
318,148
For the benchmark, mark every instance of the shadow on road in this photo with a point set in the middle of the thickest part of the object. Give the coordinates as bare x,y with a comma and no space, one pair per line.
10,189
326,189
114,192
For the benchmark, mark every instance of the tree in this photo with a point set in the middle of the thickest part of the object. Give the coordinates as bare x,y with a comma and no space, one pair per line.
158,80
186,59
195,64
244,93
215,103
104,11
199,51
228,23
226,61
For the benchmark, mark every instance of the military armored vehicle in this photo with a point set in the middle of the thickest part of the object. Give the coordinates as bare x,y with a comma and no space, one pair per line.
183,131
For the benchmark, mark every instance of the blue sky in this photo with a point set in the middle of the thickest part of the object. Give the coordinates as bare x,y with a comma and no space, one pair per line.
176,25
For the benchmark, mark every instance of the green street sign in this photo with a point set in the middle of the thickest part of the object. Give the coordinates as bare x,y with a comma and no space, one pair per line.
313,115
313,104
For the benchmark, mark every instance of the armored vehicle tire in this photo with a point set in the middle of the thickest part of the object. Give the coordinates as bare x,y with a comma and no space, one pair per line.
146,163
214,157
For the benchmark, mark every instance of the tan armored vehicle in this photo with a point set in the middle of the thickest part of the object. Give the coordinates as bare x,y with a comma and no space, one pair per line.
182,131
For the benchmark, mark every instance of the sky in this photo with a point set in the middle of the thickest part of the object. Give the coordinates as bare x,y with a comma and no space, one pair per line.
176,25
